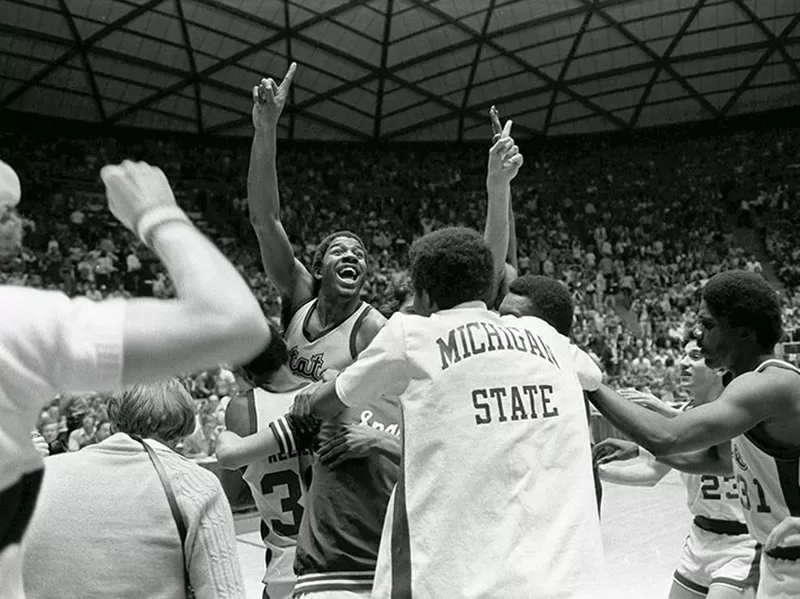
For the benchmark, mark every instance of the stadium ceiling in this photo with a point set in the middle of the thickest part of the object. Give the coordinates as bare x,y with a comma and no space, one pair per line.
400,70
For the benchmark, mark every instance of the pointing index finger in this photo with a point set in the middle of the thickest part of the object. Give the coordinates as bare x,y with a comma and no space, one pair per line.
287,79
496,127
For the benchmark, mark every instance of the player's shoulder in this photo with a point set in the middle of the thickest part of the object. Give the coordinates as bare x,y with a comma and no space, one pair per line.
772,385
239,414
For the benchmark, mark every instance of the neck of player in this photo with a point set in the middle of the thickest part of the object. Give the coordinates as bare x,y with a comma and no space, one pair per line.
332,311
750,363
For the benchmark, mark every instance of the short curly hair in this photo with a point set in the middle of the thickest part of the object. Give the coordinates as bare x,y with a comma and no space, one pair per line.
746,299
270,359
322,248
551,299
453,264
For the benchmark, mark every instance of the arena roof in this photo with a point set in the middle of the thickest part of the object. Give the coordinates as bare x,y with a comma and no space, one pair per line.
400,70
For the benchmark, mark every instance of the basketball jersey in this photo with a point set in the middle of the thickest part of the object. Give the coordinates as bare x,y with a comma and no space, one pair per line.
495,496
333,350
767,477
712,496
278,485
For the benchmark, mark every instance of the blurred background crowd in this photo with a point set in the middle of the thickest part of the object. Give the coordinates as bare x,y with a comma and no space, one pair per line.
634,229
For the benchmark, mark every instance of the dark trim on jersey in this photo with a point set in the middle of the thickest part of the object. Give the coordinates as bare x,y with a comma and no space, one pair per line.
689,585
334,581
758,437
789,478
304,328
356,328
720,527
252,414
401,538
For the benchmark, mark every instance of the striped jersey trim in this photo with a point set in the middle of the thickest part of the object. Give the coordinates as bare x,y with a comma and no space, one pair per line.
334,581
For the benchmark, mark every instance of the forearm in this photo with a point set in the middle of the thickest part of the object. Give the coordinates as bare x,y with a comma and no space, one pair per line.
511,254
705,461
391,447
263,197
645,473
644,427
496,233
326,403
215,318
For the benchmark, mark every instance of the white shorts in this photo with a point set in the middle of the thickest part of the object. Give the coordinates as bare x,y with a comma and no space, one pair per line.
713,558
280,578
780,578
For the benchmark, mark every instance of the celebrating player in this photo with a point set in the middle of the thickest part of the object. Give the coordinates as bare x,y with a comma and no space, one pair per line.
740,323
719,559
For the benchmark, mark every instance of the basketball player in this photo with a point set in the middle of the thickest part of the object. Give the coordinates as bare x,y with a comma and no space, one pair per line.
275,457
51,344
548,299
327,326
740,323
719,559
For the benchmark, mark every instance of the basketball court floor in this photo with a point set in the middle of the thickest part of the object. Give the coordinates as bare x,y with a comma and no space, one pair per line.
643,531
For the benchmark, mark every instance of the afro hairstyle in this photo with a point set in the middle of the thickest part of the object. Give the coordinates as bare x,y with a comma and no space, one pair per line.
453,264
746,299
551,300
322,248
271,358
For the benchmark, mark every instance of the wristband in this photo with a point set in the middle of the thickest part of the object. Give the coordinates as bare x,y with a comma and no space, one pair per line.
154,217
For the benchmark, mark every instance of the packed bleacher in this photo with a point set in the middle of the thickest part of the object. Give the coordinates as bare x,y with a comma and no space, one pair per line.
633,228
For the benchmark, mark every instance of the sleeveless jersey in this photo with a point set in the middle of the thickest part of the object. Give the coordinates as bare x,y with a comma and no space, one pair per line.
495,495
332,350
767,477
278,485
712,496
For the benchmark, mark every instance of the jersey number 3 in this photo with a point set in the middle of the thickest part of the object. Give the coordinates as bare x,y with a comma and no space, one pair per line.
289,505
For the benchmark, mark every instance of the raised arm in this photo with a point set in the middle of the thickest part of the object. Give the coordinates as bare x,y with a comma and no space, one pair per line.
747,401
289,276
215,317
503,166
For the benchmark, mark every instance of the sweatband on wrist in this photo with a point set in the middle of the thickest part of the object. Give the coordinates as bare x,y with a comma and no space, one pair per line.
155,217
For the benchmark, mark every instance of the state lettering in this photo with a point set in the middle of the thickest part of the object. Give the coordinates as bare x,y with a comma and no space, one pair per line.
520,402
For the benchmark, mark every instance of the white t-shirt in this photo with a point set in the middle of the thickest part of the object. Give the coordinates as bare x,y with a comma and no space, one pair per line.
50,344
495,495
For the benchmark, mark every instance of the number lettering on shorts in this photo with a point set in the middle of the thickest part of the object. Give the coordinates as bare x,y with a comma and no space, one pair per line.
290,504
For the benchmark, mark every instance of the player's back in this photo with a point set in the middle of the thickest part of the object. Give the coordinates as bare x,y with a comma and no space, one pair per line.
496,495
278,485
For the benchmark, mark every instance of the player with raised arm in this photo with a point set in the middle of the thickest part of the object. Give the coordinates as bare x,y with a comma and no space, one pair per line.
327,326
495,436
740,323
719,558
51,344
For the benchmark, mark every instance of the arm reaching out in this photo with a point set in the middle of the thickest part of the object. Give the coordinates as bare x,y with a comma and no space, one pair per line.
289,276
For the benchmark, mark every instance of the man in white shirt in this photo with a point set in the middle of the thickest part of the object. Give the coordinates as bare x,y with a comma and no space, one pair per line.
50,343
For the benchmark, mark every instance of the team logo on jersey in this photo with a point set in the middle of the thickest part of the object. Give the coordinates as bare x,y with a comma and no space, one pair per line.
738,457
308,368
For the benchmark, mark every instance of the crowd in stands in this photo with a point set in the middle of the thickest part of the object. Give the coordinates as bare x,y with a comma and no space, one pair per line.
634,228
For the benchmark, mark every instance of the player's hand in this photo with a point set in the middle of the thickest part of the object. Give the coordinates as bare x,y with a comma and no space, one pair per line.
614,450
302,408
785,534
339,443
133,188
649,401
39,444
269,99
10,190
504,158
